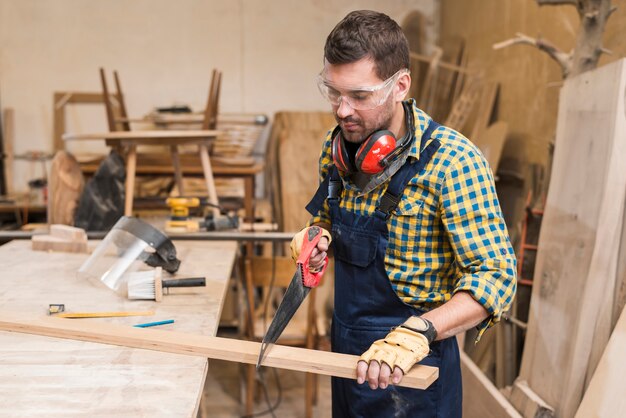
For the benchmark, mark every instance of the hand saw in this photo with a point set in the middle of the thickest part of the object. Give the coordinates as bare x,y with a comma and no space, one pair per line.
302,282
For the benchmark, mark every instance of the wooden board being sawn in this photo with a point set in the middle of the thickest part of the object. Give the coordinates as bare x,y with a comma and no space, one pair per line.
291,358
574,283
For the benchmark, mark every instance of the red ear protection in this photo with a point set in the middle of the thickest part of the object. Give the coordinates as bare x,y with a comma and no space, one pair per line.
372,156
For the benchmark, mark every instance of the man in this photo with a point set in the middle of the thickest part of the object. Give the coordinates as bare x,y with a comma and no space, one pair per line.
421,248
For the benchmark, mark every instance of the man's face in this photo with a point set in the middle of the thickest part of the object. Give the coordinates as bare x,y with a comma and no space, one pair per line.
357,125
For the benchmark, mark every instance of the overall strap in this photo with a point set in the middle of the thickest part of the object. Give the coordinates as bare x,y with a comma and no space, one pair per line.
389,201
330,187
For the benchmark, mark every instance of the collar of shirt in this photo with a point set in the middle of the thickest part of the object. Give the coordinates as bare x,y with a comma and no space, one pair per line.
420,123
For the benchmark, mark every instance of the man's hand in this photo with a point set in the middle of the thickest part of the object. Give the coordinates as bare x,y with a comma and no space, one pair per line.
318,255
398,351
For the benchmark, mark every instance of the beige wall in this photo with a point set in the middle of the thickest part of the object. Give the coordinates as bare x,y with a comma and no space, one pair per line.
528,102
269,50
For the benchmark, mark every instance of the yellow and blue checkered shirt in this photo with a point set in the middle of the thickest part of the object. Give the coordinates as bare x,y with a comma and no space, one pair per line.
447,233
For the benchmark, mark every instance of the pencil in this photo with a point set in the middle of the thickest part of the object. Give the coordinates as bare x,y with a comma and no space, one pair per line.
152,324
101,314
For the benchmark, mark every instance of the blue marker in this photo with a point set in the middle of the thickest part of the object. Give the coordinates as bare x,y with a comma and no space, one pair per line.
153,324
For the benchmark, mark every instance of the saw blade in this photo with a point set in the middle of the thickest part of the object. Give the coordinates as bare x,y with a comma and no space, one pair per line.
295,294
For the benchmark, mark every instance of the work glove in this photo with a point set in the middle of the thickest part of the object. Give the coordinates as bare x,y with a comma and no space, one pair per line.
298,240
404,346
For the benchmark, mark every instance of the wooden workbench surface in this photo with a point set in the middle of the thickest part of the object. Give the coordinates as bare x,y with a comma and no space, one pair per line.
46,375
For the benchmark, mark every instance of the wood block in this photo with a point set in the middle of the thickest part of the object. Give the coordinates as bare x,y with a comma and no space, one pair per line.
52,243
68,233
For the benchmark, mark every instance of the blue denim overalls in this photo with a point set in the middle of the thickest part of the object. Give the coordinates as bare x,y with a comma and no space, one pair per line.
367,307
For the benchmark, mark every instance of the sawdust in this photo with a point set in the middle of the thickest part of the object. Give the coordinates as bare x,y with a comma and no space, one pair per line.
399,404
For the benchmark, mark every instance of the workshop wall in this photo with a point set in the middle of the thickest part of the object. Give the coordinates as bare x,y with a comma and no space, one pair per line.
269,51
529,79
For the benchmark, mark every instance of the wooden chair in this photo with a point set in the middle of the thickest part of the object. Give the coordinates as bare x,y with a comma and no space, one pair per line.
272,277
211,109
118,121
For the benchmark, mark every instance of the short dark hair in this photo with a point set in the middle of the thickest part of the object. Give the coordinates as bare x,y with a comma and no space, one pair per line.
368,34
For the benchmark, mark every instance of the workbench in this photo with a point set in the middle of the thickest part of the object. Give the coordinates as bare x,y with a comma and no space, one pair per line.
55,377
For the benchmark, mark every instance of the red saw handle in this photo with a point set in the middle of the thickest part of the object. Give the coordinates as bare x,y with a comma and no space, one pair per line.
310,278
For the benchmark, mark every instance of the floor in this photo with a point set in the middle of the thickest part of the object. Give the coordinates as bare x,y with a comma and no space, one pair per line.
223,391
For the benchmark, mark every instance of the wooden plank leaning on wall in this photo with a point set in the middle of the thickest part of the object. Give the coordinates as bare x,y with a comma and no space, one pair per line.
571,310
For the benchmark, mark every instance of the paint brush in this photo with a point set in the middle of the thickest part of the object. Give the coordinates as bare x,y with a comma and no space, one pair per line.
149,285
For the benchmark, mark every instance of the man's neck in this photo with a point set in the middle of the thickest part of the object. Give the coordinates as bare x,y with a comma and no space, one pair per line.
398,125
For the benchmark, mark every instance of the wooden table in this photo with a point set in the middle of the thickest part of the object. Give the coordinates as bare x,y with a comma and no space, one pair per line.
130,140
153,165
55,377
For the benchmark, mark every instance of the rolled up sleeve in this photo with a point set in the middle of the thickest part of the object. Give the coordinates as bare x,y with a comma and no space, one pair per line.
472,217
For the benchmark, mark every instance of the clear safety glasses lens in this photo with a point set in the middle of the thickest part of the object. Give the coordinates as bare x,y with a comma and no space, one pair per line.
358,98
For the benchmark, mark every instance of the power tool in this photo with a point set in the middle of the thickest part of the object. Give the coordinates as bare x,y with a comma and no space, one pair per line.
180,220
179,216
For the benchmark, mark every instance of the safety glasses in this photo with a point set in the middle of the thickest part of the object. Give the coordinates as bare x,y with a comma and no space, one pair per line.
358,98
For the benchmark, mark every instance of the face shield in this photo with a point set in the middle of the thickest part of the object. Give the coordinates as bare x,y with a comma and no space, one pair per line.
128,247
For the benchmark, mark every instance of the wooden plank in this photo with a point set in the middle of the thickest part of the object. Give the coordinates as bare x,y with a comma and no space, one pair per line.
485,108
620,287
429,85
51,243
67,232
481,399
464,106
151,136
529,404
579,242
460,69
8,138
491,142
291,358
605,395
298,152
77,97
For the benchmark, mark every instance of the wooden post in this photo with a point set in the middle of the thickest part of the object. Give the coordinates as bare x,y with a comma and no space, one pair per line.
131,166
8,137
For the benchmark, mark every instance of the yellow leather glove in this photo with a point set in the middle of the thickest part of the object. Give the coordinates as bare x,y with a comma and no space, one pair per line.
402,347
298,239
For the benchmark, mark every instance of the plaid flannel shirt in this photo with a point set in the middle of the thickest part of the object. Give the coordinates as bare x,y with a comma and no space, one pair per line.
447,233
